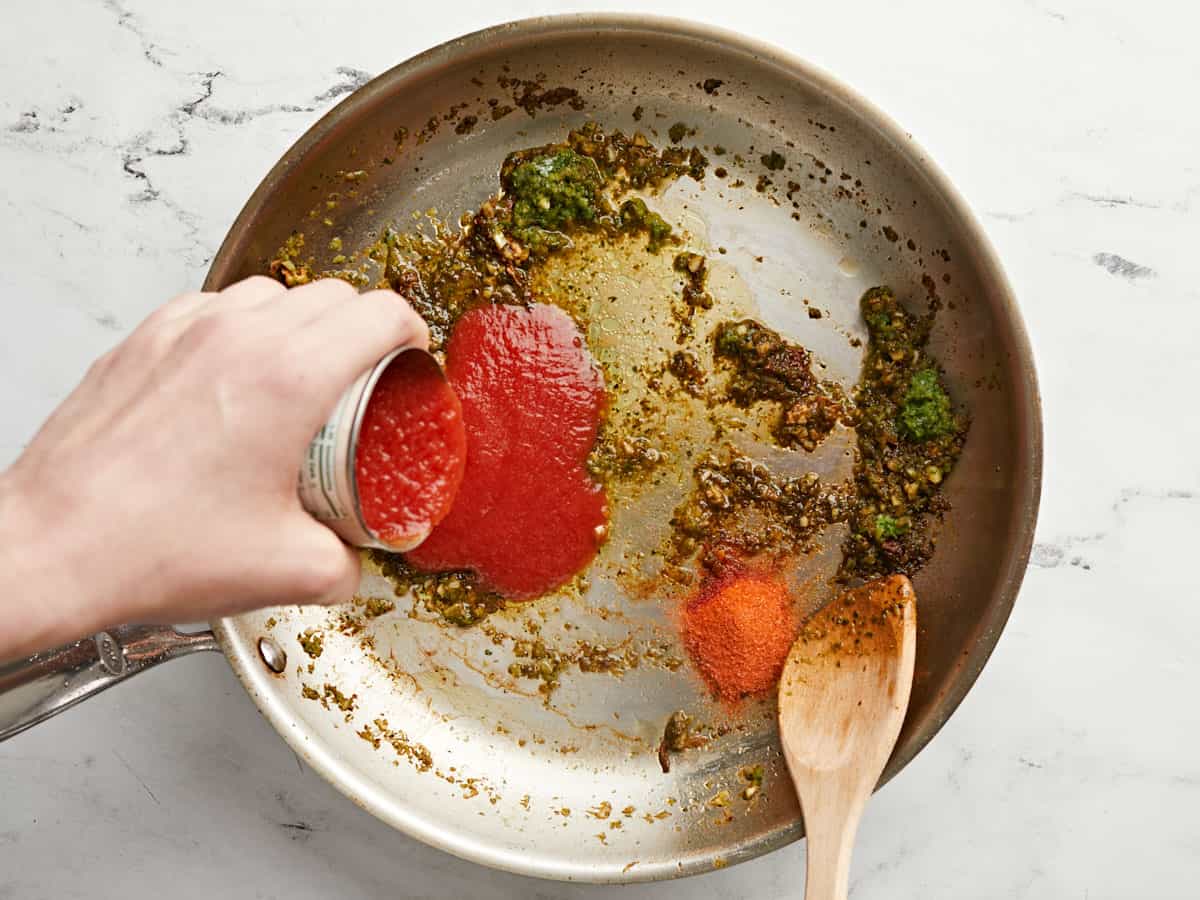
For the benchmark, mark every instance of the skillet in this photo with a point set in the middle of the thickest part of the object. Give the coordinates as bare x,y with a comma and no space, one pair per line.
468,760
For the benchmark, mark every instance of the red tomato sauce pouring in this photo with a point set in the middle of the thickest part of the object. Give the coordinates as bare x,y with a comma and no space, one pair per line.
528,515
412,450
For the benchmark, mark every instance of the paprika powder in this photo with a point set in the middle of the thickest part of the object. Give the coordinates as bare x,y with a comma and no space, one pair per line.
738,630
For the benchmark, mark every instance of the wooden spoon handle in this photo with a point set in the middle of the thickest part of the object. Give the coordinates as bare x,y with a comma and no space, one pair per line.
830,831
842,700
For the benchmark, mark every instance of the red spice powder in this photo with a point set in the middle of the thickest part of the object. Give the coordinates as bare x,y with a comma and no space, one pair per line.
738,630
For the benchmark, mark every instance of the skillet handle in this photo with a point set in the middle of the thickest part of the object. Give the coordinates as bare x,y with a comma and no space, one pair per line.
34,689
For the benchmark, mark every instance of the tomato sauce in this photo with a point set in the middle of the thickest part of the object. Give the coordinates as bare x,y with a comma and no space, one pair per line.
528,516
412,450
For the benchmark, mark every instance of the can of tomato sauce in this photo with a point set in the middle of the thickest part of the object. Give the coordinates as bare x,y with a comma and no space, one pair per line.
330,481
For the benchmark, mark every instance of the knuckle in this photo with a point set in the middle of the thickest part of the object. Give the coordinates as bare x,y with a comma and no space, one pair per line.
281,382
328,290
173,306
158,331
337,287
395,314
395,304
153,338
220,330
258,284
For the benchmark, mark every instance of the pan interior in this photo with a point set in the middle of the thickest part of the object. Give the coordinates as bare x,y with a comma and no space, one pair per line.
421,722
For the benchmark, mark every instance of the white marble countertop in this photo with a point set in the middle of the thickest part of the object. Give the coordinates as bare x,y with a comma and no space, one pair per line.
1070,771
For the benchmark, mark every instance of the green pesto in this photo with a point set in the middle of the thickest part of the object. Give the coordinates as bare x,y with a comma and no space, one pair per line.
887,527
925,412
893,331
553,192
909,440
635,216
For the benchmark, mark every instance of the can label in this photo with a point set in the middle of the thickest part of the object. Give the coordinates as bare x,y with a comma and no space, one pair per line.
318,484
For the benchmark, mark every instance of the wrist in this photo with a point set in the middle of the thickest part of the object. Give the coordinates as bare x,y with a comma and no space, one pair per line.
42,598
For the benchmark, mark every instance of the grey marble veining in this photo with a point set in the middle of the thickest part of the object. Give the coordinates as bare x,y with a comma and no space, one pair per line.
130,134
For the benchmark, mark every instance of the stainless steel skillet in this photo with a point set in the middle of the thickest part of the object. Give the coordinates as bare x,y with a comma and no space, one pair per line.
510,781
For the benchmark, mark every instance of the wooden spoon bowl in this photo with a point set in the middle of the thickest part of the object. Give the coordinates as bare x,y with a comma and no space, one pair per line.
842,700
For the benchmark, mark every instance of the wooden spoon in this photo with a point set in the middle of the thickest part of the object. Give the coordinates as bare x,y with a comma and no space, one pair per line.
842,699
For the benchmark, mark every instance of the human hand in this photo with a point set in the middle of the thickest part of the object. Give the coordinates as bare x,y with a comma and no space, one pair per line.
163,489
